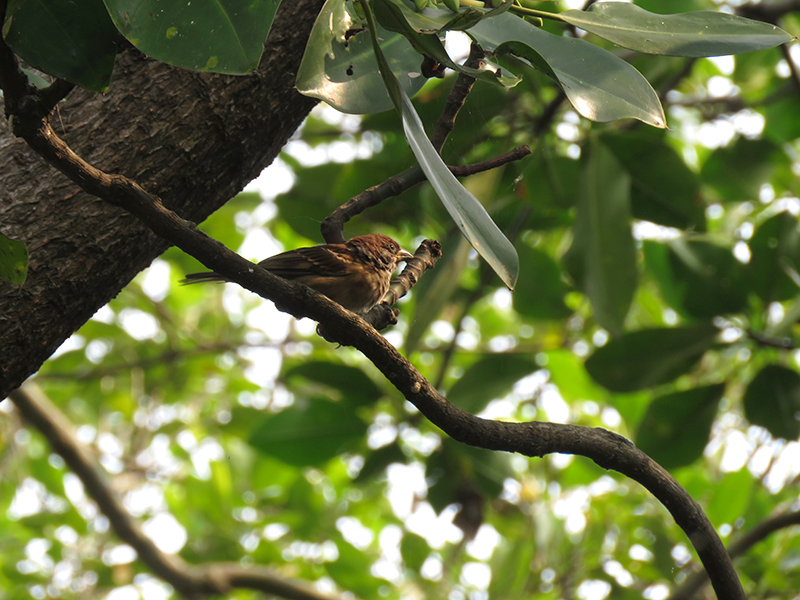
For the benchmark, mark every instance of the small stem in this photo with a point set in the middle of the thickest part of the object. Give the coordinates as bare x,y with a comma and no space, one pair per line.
520,10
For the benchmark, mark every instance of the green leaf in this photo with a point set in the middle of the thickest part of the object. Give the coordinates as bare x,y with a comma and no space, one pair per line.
708,277
772,400
731,497
74,40
649,357
541,289
309,434
664,190
602,258
225,36
354,386
736,172
344,72
13,260
466,210
676,427
489,378
774,247
601,86
696,34
414,550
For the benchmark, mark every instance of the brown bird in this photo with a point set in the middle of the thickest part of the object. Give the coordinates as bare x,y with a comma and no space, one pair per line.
355,274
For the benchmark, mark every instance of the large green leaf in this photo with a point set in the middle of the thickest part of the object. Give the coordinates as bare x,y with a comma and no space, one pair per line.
602,258
708,277
737,172
13,260
490,377
649,357
676,427
309,434
702,33
772,400
342,70
71,39
466,210
541,289
224,36
775,247
731,496
351,385
601,86
664,190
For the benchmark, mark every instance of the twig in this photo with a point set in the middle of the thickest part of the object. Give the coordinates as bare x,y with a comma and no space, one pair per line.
455,99
783,343
787,55
190,581
333,225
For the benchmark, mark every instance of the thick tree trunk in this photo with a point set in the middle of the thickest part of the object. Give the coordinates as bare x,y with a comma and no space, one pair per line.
193,139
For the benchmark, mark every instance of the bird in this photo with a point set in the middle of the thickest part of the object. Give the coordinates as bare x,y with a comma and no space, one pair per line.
355,274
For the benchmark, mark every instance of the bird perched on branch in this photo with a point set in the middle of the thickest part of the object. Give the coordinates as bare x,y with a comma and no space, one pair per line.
355,274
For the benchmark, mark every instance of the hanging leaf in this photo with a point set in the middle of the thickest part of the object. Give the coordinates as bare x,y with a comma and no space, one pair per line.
602,258
697,34
601,86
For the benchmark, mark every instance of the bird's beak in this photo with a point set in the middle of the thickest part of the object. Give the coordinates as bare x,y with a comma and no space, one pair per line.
405,255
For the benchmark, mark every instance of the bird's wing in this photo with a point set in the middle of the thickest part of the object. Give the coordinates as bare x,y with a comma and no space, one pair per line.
319,260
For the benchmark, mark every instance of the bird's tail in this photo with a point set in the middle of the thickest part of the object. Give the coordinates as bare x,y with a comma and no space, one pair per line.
202,278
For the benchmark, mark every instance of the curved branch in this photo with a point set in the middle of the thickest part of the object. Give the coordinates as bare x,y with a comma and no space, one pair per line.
696,580
189,581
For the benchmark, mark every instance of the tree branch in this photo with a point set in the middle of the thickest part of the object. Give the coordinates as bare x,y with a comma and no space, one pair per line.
333,225
189,581
697,580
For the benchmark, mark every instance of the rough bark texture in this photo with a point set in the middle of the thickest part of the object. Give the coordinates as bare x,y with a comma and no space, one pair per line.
193,139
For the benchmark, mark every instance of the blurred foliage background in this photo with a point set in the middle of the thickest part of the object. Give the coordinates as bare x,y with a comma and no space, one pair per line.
234,433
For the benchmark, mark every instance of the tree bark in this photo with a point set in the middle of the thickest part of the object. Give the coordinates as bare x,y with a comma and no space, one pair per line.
193,139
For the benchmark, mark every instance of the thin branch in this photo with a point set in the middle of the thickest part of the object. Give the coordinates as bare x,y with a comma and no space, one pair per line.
697,580
783,343
190,581
333,225
455,99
